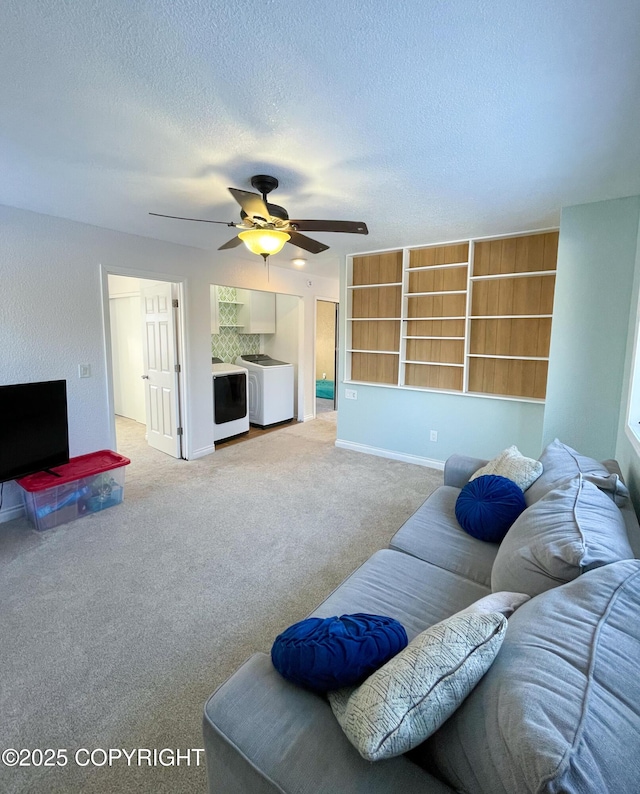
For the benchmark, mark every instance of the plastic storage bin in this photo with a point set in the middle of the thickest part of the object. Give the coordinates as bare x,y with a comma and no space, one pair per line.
86,484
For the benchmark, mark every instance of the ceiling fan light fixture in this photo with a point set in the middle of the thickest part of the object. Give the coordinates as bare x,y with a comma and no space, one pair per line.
264,242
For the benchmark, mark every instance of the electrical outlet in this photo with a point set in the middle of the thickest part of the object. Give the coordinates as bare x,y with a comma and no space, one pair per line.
84,370
433,435
351,394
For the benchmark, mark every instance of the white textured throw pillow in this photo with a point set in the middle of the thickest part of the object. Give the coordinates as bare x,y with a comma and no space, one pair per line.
409,697
510,463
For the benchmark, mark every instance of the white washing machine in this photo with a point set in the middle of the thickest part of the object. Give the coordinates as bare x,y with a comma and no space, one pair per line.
270,389
230,408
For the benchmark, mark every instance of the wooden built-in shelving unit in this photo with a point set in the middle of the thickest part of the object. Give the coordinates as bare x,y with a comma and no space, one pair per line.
469,317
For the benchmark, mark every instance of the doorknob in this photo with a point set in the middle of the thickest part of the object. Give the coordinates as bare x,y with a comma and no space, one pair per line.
144,377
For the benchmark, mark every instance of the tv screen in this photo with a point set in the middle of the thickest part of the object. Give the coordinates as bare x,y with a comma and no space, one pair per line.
34,431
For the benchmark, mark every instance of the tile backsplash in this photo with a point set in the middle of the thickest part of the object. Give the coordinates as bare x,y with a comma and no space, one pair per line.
229,344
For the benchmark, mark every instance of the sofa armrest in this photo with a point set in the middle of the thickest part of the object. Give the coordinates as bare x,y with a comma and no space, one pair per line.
458,469
264,735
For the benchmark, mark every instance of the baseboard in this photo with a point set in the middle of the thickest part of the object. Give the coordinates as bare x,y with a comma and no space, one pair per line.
9,513
387,453
308,417
202,452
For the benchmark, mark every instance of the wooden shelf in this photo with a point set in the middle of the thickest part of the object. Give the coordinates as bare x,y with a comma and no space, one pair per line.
373,286
437,279
510,316
511,336
377,268
462,338
439,255
515,358
515,275
375,367
435,350
471,317
509,296
517,254
512,377
384,302
431,363
432,318
438,267
376,335
444,305
436,292
434,376
377,352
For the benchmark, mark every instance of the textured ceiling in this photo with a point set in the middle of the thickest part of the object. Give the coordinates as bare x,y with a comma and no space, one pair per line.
427,119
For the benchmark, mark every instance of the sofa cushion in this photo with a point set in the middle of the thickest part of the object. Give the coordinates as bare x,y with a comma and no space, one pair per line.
504,602
559,710
569,531
263,735
513,465
412,591
487,507
434,534
560,462
407,699
328,653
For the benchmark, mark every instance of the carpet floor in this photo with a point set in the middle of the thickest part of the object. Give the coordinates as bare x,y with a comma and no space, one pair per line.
115,629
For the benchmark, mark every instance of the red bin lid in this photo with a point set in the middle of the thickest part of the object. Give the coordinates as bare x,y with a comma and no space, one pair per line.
76,469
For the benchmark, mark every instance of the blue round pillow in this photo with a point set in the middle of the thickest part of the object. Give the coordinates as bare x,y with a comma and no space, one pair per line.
487,506
328,653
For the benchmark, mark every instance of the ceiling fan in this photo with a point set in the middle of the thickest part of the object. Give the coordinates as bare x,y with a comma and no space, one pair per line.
267,227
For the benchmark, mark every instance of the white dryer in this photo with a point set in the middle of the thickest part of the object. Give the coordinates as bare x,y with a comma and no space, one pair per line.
270,389
230,411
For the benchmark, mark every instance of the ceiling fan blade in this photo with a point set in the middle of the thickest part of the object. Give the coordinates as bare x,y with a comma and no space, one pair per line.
302,241
251,203
199,220
352,227
232,243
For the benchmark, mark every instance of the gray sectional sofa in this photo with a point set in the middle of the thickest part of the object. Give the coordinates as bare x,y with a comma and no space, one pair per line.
558,710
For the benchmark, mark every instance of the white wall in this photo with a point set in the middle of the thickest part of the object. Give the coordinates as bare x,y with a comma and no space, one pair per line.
127,357
53,305
123,286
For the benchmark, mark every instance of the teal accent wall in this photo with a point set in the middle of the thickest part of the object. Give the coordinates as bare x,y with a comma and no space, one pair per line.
400,420
626,452
593,297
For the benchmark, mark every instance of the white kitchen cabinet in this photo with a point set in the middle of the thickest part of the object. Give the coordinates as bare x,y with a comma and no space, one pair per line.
256,312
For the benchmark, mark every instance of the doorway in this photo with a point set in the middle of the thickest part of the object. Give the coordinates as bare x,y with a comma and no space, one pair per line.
145,334
246,322
326,355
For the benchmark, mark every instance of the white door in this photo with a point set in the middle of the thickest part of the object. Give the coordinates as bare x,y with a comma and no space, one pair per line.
160,360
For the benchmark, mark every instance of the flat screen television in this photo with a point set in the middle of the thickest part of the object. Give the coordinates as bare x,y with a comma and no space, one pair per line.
34,429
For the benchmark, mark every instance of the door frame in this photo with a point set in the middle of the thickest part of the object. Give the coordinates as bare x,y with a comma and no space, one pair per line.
181,345
336,302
